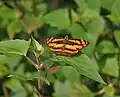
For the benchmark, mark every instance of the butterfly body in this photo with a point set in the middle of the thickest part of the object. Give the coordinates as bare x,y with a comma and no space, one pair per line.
65,46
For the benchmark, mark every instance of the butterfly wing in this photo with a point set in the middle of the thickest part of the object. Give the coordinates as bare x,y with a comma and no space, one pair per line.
61,46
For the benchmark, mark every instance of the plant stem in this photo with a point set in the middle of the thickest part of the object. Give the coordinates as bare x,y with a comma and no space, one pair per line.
40,82
33,63
5,91
119,64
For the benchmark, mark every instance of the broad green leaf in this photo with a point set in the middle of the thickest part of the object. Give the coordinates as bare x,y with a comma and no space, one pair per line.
19,93
58,18
83,64
106,47
3,68
62,89
14,47
74,16
94,5
88,15
36,47
111,64
77,31
115,16
96,26
3,60
13,61
81,4
13,84
8,13
14,27
80,90
107,4
31,23
117,37
70,73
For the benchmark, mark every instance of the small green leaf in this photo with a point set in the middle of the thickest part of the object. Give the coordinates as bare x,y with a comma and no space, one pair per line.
107,4
58,18
109,90
14,27
94,5
70,73
83,64
12,84
36,47
117,37
111,64
106,47
14,47
81,4
3,60
62,89
80,90
74,16
28,77
115,16
3,68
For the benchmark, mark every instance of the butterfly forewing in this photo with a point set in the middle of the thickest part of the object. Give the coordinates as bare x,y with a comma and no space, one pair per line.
65,46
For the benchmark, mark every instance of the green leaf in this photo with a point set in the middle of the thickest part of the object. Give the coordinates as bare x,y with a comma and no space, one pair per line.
94,5
106,47
109,90
3,68
70,73
111,64
115,16
14,47
117,37
81,4
13,61
80,90
62,89
36,47
19,93
28,77
14,27
83,64
3,60
31,23
8,13
107,4
12,84
58,18
78,32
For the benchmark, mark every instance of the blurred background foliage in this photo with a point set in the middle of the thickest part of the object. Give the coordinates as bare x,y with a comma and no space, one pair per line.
95,73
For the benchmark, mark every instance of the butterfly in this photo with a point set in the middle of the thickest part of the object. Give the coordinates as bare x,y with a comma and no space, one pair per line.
65,46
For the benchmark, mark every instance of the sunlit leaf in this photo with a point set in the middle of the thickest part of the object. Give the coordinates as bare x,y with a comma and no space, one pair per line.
80,90
83,64
117,37
70,73
14,47
106,47
111,64
36,47
54,18
62,89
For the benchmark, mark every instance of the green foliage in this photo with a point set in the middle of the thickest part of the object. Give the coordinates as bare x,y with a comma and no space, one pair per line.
18,47
64,23
93,72
83,64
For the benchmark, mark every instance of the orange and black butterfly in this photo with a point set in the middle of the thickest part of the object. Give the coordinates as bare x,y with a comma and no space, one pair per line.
65,46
